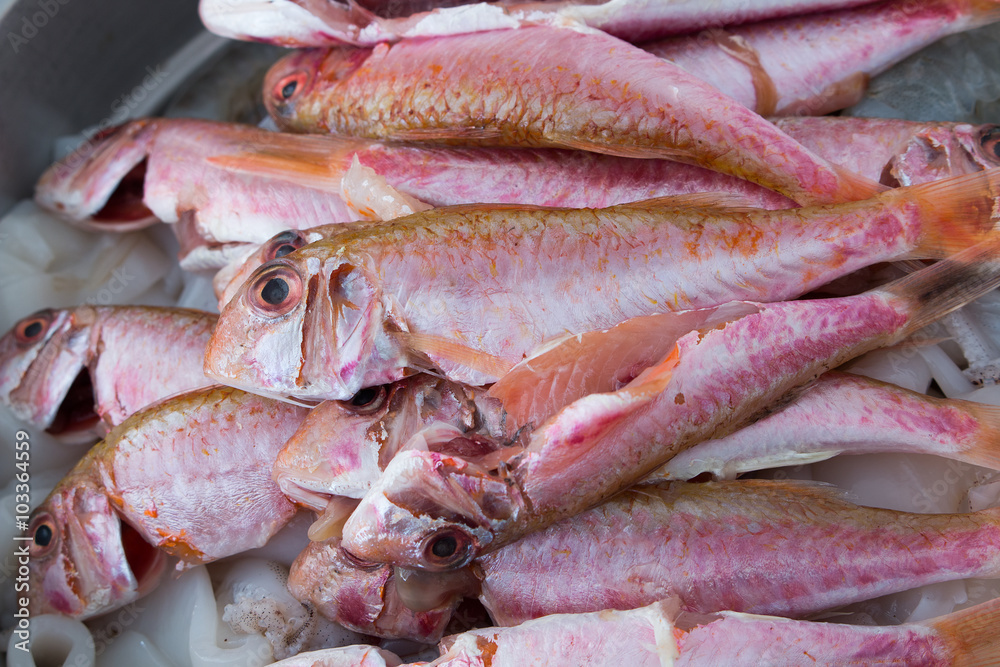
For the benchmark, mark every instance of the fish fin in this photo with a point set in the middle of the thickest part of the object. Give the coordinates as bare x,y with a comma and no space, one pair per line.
984,448
947,285
971,634
282,168
738,48
440,348
854,186
955,213
570,141
571,367
727,201
983,12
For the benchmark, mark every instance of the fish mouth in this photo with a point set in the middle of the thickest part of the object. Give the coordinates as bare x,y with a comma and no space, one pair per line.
144,560
75,419
124,210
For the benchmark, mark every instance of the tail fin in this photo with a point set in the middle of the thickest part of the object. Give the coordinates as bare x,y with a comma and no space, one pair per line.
984,450
948,285
853,187
971,634
955,213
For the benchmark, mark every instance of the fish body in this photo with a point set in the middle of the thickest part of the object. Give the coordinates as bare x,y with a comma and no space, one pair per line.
189,477
300,24
80,372
750,546
659,635
820,63
473,290
551,87
846,414
436,511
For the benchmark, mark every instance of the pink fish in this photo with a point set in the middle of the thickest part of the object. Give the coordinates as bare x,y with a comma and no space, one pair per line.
80,372
549,87
847,414
478,288
437,511
330,22
817,64
189,477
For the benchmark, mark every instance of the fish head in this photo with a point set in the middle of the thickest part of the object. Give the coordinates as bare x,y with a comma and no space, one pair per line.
943,150
432,511
84,561
100,185
305,327
291,85
343,446
363,596
44,376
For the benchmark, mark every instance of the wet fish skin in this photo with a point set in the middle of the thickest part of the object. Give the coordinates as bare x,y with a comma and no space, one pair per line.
834,53
750,546
187,478
293,23
133,356
437,511
845,414
357,304
555,87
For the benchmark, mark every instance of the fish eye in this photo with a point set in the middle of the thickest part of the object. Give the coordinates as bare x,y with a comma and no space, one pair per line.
33,328
448,549
990,142
282,244
44,534
276,290
367,400
288,86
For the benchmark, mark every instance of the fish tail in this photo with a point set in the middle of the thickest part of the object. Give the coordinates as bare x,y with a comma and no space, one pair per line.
971,634
981,12
955,213
948,285
984,448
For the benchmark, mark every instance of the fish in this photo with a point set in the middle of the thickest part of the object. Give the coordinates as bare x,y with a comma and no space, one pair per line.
817,64
342,446
437,512
225,185
363,596
657,635
478,288
299,23
842,413
747,545
187,479
79,372
554,87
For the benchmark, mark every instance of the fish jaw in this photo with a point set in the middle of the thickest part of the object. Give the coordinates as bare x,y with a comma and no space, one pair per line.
38,370
361,596
431,511
328,308
85,569
99,186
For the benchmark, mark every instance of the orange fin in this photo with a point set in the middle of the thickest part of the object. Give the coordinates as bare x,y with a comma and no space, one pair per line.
562,140
984,449
439,348
971,634
854,186
567,369
447,134
955,213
